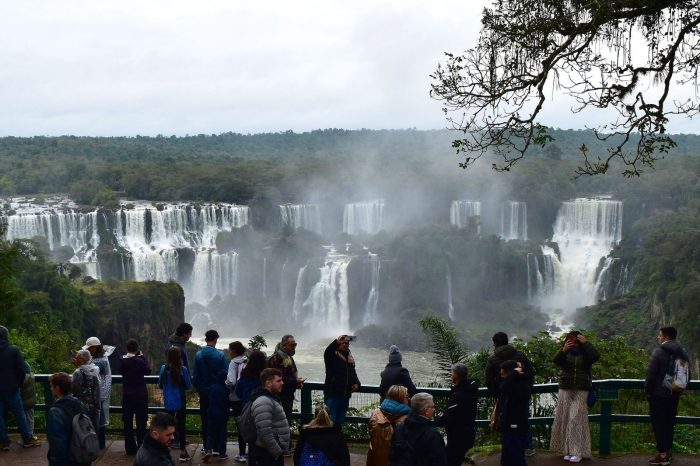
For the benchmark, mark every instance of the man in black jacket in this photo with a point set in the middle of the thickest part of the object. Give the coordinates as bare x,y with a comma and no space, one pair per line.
416,442
395,374
663,402
513,405
341,378
13,370
503,352
460,416
154,451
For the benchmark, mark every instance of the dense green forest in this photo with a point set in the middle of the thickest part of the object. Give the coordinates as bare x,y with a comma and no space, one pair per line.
51,309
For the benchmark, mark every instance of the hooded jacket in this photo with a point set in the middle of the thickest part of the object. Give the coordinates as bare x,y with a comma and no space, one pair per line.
382,423
86,388
658,368
501,354
329,440
59,429
134,368
12,365
208,362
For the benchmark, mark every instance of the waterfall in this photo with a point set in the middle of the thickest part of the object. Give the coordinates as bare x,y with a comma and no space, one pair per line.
514,220
462,211
327,305
147,236
306,216
299,294
450,306
264,279
585,231
373,296
214,274
365,217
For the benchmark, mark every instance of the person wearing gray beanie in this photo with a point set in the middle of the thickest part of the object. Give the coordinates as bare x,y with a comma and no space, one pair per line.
395,374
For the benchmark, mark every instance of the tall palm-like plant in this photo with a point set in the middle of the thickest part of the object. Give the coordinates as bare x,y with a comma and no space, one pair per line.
444,341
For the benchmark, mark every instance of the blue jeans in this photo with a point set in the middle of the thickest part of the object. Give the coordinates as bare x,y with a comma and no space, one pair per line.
338,406
13,403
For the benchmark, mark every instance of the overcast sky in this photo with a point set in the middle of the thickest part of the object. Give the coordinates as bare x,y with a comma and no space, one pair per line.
181,67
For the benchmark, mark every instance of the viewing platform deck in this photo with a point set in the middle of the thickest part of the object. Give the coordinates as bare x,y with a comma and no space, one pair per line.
114,455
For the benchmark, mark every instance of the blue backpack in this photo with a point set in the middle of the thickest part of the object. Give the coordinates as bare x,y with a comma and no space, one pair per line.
312,457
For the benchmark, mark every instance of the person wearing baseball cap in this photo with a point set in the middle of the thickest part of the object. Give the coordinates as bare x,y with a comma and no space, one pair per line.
100,354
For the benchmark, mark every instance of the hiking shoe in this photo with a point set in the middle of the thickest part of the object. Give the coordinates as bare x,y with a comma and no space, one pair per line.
223,457
184,456
5,446
207,456
240,458
30,442
575,459
661,460
529,452
567,457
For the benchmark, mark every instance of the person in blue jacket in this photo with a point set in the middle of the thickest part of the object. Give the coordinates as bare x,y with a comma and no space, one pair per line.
207,363
218,415
174,379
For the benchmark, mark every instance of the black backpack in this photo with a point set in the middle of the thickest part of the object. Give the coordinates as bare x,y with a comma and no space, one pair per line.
403,452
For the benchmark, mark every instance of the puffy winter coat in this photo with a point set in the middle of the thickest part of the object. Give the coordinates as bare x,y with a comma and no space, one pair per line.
658,368
270,423
153,453
426,440
576,366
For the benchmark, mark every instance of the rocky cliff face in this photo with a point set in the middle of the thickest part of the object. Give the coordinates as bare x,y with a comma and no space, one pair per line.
149,312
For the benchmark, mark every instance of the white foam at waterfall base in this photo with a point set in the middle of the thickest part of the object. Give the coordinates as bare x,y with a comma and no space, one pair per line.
585,231
306,216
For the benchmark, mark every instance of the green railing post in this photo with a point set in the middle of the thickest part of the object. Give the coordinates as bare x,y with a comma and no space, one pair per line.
307,413
605,419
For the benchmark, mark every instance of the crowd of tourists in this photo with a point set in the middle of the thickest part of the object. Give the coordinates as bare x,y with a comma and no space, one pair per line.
259,392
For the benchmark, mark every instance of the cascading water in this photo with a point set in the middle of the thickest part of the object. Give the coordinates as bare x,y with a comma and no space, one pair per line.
147,237
585,231
373,297
462,211
366,217
514,220
305,216
327,304
450,305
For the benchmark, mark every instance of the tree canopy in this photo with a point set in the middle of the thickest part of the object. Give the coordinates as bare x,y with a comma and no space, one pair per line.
495,91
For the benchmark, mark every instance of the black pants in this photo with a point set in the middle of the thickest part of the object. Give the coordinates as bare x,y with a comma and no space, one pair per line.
180,432
134,407
513,449
458,444
264,458
663,413
203,408
288,406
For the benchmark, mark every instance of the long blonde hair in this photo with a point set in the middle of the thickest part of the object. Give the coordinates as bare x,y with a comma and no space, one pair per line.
322,417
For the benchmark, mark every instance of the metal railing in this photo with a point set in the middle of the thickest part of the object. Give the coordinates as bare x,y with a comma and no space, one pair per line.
621,402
